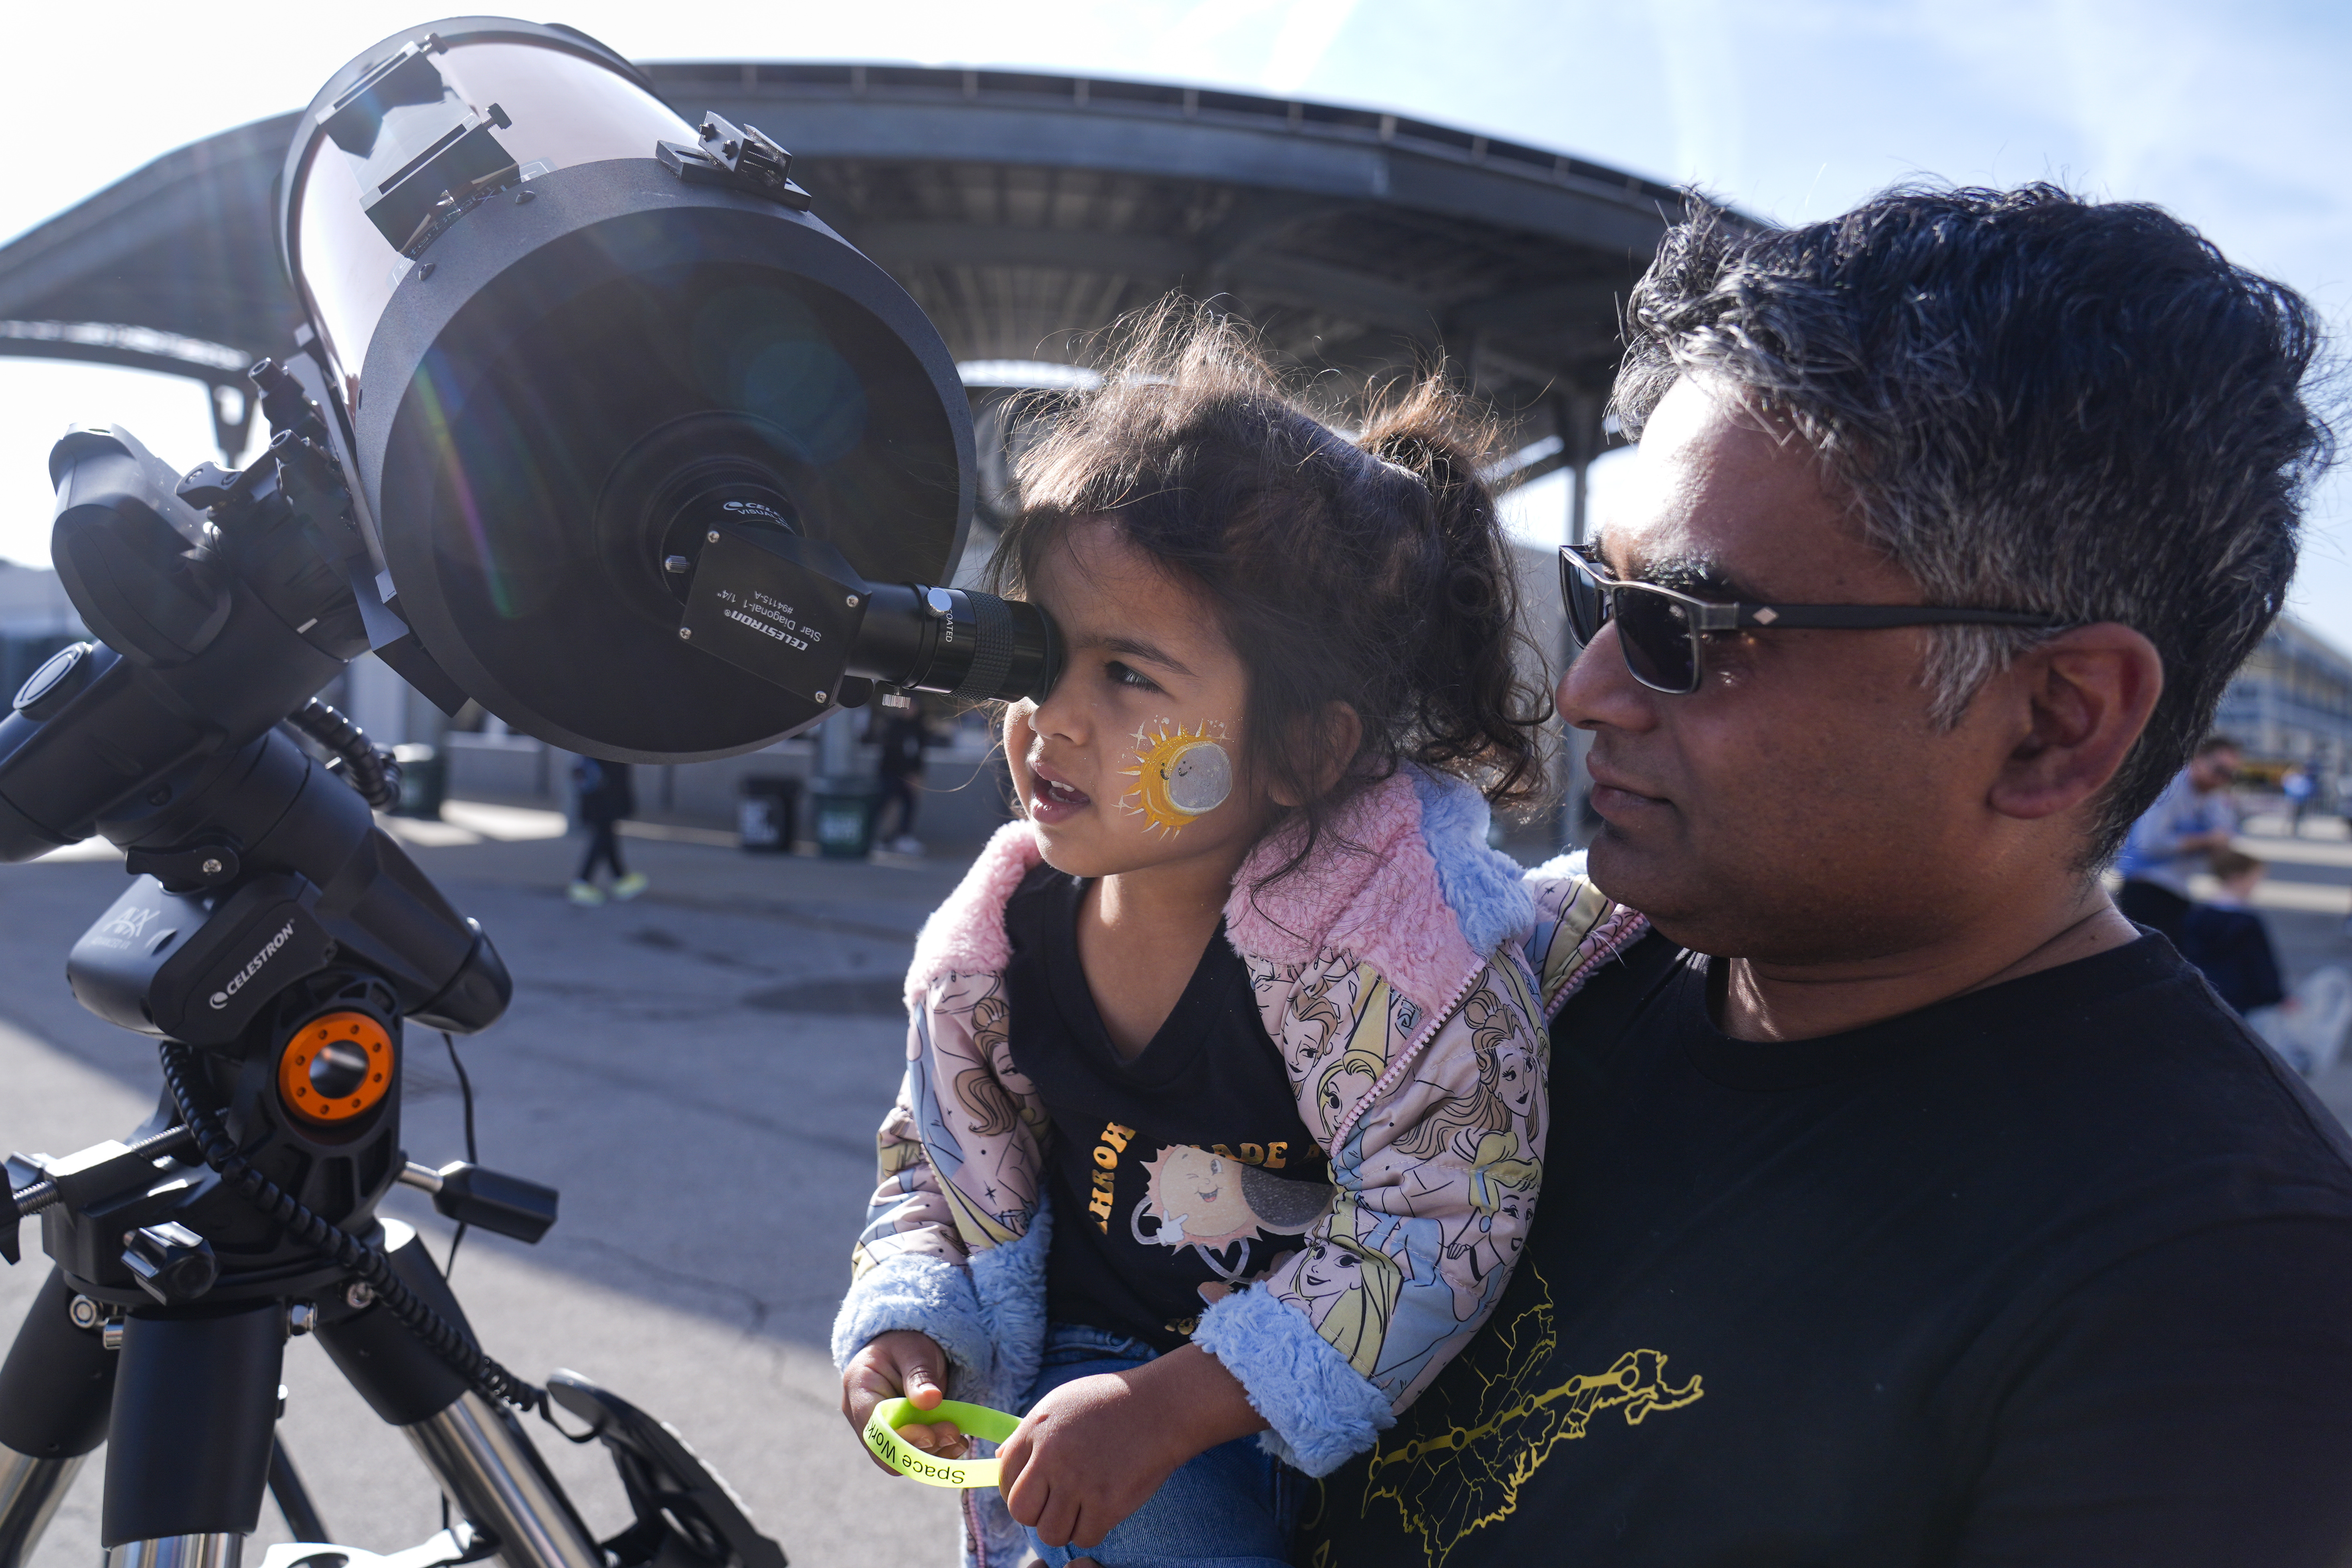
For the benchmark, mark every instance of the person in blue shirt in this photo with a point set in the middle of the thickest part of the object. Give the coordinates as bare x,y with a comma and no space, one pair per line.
2192,819
2299,786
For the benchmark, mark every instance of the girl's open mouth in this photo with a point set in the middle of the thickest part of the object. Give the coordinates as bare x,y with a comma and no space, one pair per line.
1056,802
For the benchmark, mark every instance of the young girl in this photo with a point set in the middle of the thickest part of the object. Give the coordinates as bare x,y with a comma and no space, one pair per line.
1223,1112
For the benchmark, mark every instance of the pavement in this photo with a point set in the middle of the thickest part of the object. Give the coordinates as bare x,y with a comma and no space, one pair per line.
700,1072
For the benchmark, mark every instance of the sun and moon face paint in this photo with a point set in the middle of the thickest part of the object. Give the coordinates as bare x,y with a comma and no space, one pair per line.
1180,776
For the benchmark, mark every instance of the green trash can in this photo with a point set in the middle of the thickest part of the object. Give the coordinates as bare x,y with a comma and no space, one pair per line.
424,781
841,816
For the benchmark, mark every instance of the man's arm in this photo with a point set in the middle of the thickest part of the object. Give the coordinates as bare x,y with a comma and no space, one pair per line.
2190,1407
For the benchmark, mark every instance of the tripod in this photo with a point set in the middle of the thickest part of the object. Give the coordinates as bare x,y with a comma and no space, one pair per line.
280,944
243,1214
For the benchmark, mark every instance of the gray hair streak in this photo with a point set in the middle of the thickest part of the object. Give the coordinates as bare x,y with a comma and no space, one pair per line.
2035,402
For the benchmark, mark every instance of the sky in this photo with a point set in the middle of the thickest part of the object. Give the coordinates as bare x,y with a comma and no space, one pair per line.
2236,118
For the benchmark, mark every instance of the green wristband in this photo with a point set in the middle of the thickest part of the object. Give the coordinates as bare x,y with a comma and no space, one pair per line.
972,1420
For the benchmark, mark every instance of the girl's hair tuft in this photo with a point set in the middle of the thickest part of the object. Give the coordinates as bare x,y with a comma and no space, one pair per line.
1372,573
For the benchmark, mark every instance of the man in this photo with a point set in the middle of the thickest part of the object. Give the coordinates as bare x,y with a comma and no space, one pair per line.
898,726
2172,840
1940,1216
2298,787
608,796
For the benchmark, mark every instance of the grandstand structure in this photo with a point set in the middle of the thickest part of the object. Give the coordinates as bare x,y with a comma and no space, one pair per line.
1023,212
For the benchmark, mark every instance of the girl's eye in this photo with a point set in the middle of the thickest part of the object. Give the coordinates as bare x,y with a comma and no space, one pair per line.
1123,674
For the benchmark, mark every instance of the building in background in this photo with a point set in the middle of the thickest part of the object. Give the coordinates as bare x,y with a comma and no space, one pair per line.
2292,703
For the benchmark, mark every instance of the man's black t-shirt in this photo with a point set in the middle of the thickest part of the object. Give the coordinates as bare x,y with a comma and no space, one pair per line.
1176,1176
2056,1273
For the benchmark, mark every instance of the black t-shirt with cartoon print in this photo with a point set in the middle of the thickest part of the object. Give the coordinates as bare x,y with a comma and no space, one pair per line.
1177,1176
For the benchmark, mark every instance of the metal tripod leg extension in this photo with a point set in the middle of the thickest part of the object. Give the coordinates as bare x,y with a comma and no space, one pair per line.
54,1392
488,1464
478,1451
219,1549
171,1502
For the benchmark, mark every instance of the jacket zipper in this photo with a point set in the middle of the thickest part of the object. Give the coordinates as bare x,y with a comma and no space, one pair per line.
1604,941
1405,1060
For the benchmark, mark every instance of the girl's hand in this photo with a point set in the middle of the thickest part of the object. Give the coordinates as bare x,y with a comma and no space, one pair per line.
896,1365
1094,1450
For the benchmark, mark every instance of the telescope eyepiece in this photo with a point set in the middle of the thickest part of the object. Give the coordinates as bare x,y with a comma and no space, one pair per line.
973,646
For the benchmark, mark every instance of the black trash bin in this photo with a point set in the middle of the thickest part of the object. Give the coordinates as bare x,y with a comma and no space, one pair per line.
766,815
424,781
841,813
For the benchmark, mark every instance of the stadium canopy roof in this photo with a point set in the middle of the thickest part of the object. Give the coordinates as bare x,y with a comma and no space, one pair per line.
1021,211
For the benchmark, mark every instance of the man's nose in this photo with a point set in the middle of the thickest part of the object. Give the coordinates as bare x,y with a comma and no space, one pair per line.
1596,692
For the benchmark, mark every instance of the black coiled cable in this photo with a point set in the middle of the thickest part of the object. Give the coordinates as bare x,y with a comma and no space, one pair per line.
459,1353
371,773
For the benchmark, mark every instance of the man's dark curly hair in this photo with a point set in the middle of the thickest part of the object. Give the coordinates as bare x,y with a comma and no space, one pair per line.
2035,402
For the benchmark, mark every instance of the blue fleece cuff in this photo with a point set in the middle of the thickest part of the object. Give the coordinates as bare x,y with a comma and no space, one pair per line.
925,1294
1482,887
1322,1410
1569,864
1009,1292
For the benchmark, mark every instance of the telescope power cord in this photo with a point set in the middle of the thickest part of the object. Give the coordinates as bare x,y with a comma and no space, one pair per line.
456,1352
371,773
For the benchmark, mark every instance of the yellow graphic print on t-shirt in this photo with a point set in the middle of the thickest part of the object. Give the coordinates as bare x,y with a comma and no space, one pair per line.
1448,1484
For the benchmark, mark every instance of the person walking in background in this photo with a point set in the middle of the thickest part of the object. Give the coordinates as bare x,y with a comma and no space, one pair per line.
607,798
2190,820
2227,940
897,726
2299,786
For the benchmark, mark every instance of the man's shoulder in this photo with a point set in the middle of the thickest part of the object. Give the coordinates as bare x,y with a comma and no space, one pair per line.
1615,991
2160,1046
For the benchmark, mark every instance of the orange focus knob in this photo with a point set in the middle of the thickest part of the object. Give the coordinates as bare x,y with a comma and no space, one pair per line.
335,1068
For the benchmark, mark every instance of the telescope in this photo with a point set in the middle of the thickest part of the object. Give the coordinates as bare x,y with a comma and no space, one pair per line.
591,422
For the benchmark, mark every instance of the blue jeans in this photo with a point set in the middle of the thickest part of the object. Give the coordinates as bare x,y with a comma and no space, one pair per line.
1230,1508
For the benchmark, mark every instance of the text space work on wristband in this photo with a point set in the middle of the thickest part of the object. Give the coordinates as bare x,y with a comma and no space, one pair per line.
972,1420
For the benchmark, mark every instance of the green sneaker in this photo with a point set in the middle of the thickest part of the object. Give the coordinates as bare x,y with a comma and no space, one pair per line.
629,887
587,895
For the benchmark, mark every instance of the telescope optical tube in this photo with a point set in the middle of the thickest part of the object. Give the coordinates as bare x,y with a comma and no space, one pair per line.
570,337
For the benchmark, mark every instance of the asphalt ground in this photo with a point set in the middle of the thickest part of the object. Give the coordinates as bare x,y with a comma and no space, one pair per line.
700,1072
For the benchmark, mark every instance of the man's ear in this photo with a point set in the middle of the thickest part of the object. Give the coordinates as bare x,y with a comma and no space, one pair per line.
2079,701
1330,740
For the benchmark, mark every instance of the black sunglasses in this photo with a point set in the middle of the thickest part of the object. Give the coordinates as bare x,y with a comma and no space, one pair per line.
1662,631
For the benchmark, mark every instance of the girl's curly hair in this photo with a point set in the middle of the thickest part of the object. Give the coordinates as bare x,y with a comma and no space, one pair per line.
1372,571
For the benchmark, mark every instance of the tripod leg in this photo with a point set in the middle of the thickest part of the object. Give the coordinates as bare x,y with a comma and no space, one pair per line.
55,1391
195,1405
293,1499
478,1451
487,1463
